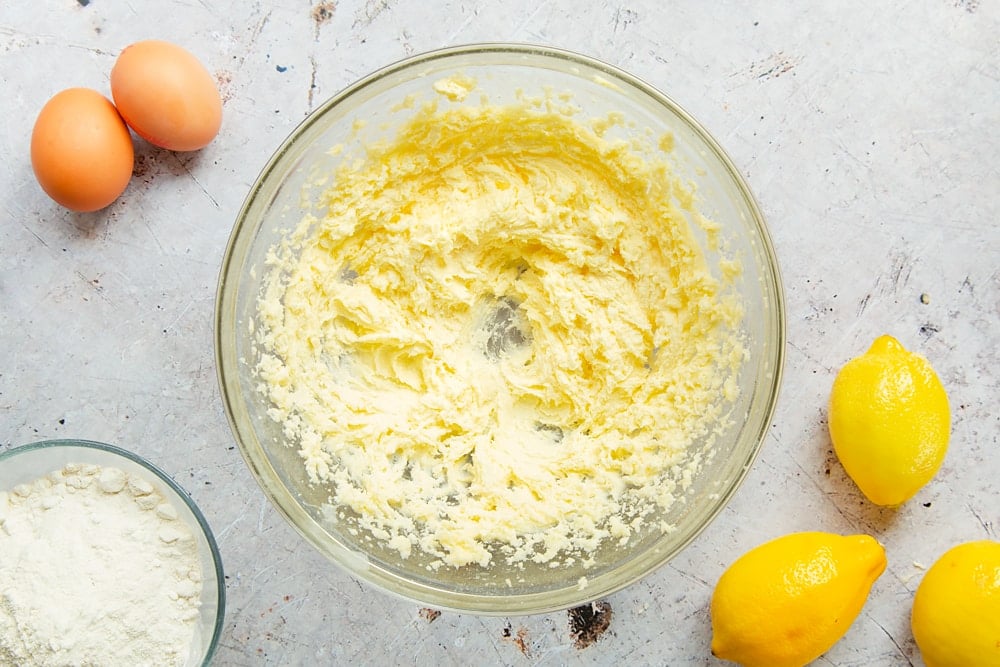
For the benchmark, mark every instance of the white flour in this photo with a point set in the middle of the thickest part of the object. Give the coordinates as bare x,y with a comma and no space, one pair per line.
95,569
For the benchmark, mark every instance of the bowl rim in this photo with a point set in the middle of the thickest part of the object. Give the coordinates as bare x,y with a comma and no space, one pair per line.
342,555
178,491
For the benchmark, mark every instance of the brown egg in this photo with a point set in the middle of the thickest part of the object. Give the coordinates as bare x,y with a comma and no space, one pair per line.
166,95
81,150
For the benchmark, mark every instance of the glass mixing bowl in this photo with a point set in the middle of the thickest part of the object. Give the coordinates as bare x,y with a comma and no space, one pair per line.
24,464
372,109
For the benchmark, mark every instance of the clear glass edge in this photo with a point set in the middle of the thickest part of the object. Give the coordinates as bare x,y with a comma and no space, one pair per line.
256,458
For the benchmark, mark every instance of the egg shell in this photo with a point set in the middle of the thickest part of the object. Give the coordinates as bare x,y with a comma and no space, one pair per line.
166,96
81,150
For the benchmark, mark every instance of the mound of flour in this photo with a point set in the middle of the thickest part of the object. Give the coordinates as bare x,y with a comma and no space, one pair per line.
95,569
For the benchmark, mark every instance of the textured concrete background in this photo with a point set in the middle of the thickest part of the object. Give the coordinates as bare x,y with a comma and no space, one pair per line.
867,130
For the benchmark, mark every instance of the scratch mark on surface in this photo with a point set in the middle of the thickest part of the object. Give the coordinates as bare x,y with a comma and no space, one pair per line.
847,151
262,572
401,635
33,233
836,506
530,19
152,234
772,67
493,643
196,181
810,357
863,304
19,39
254,36
623,18
260,518
687,575
222,533
404,39
468,19
987,526
91,49
812,480
94,285
371,11
899,648
173,323
900,272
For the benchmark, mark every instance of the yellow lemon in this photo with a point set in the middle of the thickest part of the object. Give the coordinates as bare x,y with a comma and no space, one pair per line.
787,601
956,609
889,421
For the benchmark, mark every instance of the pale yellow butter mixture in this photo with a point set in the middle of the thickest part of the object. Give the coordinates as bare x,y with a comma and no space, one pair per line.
501,337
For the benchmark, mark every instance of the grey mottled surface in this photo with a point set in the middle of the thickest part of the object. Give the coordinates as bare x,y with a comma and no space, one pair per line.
868,131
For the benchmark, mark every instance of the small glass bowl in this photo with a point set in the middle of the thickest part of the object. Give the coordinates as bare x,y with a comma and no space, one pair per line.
381,103
27,463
